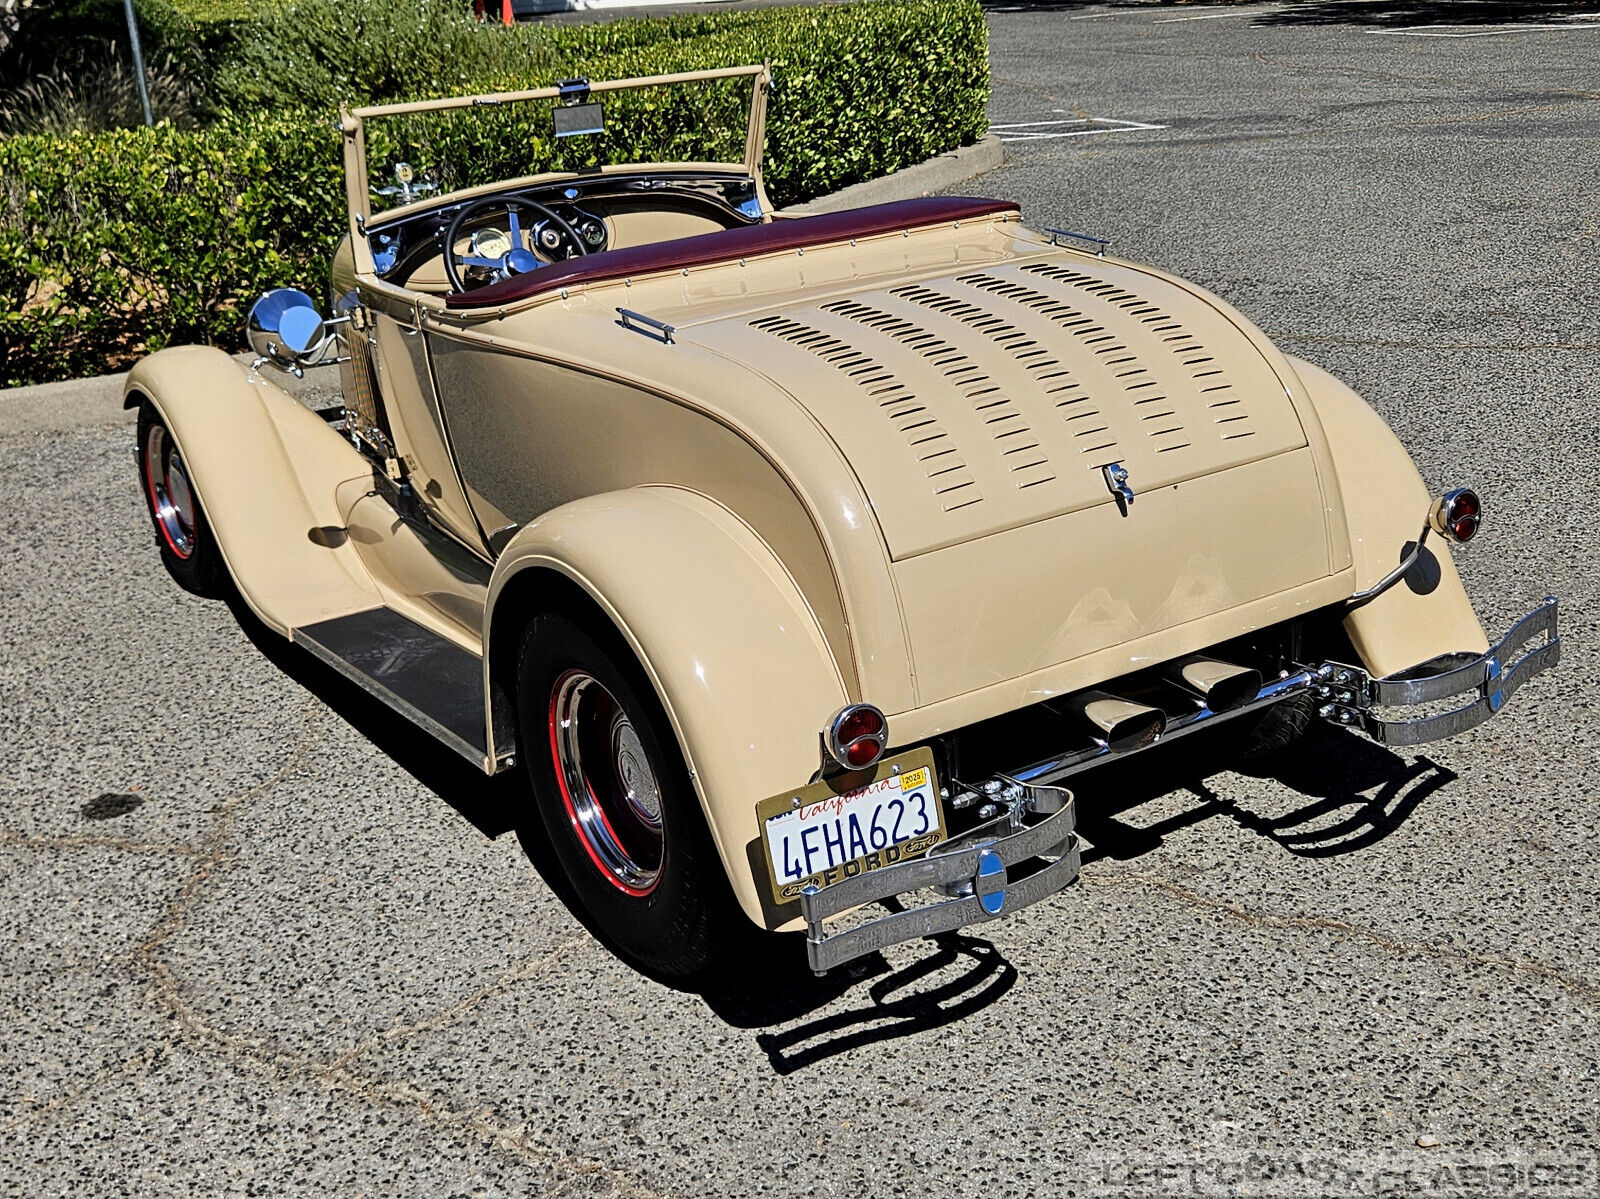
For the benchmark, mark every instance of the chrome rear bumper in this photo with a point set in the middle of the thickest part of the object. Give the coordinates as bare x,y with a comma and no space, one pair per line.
976,868
1351,693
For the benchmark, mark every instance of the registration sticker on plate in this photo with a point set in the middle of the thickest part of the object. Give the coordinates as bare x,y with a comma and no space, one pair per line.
818,834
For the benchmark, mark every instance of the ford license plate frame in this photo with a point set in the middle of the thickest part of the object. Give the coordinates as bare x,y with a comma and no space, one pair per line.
837,828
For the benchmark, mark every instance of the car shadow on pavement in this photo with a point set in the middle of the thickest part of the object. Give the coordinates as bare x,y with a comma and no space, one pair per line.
1358,792
1401,14
958,976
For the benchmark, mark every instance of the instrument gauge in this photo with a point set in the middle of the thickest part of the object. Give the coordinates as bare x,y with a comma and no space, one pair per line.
491,243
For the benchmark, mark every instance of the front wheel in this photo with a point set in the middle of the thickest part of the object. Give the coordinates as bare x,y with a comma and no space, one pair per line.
183,535
616,801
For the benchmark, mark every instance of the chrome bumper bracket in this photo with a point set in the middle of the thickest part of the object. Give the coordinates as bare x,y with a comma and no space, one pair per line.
1352,693
975,869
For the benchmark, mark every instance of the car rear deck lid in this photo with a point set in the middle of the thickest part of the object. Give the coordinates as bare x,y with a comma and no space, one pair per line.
997,395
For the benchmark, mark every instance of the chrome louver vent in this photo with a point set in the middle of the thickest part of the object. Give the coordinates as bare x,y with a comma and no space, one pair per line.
1018,445
1083,417
953,484
1228,414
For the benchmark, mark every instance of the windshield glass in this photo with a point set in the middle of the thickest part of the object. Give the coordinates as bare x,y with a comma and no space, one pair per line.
419,151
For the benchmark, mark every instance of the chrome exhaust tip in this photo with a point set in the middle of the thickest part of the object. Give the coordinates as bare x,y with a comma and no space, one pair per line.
1221,685
1123,725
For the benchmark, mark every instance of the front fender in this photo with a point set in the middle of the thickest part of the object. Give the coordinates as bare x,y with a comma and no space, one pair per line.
726,638
1386,502
265,468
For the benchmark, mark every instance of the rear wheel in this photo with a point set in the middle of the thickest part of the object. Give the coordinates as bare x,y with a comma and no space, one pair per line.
617,803
183,535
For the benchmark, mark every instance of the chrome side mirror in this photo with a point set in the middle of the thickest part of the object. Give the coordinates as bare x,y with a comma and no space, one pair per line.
286,330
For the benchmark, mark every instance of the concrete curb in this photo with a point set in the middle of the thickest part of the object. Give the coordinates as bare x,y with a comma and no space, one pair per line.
97,402
938,173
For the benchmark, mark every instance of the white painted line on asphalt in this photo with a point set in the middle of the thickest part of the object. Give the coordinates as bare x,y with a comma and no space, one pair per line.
1037,131
1216,16
1093,16
1457,31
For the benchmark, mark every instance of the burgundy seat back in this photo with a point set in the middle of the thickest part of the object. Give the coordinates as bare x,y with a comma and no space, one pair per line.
726,245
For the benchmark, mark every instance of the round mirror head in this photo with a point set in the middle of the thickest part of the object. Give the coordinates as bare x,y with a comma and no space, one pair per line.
283,325
299,330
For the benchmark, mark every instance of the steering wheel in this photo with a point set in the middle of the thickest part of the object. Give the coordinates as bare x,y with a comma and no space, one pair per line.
518,259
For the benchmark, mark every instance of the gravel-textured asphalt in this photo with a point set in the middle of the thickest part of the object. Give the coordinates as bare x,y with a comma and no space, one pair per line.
256,939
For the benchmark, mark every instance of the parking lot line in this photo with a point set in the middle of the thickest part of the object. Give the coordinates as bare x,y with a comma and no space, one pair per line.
1459,32
1045,130
1214,16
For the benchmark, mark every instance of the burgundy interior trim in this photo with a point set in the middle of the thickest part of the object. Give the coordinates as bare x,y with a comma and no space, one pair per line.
726,244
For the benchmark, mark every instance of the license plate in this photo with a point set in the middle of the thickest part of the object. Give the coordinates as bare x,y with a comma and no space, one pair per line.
819,834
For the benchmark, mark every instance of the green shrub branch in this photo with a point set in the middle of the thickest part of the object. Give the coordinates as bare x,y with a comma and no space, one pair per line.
118,243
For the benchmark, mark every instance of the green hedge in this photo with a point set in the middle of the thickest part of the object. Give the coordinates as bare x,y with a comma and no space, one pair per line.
115,244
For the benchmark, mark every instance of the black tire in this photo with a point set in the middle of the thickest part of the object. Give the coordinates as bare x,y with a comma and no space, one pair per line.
183,535
664,906
1275,730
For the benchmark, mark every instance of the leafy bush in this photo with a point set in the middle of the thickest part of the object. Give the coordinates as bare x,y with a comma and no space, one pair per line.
117,243
140,238
61,36
95,97
316,53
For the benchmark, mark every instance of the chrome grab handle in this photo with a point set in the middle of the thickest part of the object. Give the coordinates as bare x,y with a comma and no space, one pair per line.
632,320
1100,243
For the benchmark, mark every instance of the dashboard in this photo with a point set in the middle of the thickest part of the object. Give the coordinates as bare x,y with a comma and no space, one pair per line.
511,231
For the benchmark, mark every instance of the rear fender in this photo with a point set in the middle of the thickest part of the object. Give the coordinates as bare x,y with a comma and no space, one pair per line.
265,468
1386,503
724,635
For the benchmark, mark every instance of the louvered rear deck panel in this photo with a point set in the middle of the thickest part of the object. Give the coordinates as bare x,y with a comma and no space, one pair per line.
986,399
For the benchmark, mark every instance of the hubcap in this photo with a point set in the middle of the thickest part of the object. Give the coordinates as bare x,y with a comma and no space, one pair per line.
609,788
171,499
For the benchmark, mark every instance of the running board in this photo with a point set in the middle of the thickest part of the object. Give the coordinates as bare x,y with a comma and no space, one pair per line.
429,680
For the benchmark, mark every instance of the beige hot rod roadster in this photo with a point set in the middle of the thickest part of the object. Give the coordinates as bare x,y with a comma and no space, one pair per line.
800,561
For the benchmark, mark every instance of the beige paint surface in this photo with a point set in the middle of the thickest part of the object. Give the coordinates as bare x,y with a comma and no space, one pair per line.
870,470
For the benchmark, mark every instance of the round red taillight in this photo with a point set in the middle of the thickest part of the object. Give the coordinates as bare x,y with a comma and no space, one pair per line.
859,722
863,753
1458,513
856,736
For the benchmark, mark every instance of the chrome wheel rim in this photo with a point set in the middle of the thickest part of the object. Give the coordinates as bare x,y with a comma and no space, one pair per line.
166,481
608,785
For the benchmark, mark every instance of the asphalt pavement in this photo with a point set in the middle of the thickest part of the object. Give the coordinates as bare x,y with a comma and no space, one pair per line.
256,937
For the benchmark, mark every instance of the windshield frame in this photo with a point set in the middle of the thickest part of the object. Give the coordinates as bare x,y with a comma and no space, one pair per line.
352,123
